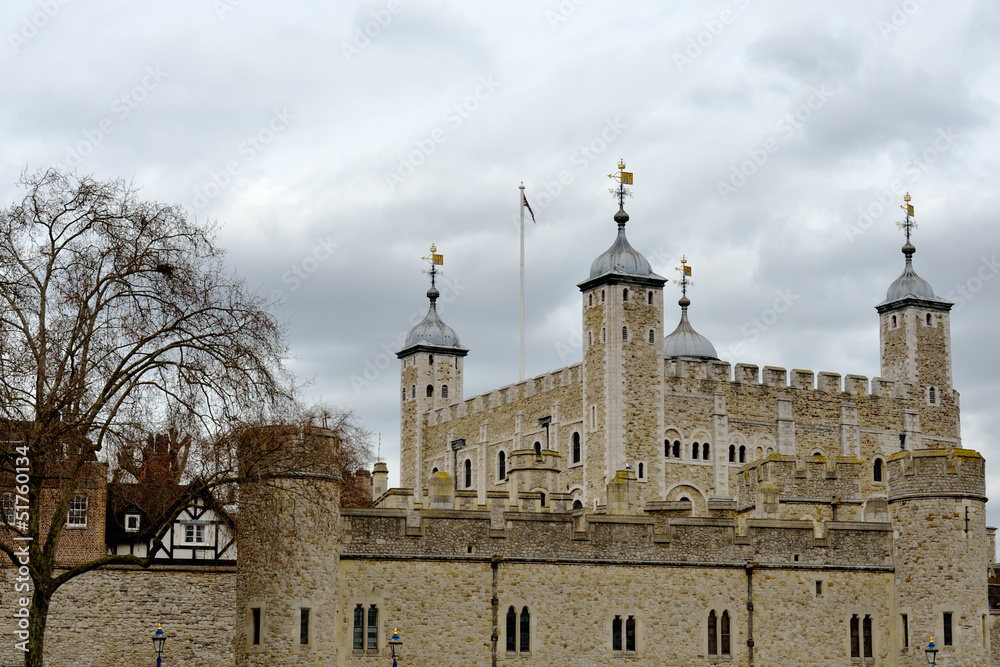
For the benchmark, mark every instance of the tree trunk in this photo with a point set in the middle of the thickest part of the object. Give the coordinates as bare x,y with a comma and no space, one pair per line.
36,628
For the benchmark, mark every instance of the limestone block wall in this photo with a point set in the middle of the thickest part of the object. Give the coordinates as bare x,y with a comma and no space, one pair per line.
105,618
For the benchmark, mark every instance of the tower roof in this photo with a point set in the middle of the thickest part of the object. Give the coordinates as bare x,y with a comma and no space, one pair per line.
621,258
431,334
909,287
685,341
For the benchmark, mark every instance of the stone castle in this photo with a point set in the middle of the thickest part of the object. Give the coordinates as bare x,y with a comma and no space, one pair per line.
650,504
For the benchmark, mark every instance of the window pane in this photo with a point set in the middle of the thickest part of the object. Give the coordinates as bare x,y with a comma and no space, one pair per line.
713,646
256,626
525,630
947,628
855,638
359,627
511,629
373,627
725,633
630,634
868,636
616,634
304,626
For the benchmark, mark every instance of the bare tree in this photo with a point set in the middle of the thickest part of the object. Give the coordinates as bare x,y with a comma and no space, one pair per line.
120,322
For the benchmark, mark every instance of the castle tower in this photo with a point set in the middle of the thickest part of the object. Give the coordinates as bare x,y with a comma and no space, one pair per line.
937,506
622,364
430,377
289,547
915,330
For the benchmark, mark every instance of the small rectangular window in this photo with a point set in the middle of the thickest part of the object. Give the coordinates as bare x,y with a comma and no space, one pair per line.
194,533
77,516
948,638
303,626
906,630
256,626
819,588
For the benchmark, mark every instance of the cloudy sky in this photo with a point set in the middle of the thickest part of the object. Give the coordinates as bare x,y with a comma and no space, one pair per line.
771,143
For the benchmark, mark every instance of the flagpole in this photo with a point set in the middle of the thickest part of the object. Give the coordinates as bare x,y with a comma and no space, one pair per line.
520,205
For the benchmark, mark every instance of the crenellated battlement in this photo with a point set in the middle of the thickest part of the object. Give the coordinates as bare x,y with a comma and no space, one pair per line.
928,473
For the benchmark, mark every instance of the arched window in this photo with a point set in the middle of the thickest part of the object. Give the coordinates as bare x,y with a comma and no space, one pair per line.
877,471
468,473
502,466
602,296
538,448
604,335
434,470
866,632
649,297
666,448
359,627
724,634
855,636
893,321
732,453
704,451
642,471
695,449
511,630
931,396
404,393
413,391
677,449
525,644
590,338
578,504
624,334
743,454
630,634
430,359
373,627
625,294
928,319
590,299
713,633
652,336
576,448
444,391
430,390
616,634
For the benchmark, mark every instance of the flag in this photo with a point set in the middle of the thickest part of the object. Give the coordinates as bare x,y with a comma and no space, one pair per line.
687,270
909,209
437,260
524,201
626,178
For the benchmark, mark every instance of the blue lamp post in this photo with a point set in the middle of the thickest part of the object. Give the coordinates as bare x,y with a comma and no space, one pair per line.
159,639
395,645
931,652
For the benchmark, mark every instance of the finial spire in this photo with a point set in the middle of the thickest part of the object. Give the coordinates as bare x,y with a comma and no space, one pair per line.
435,260
907,225
623,178
685,272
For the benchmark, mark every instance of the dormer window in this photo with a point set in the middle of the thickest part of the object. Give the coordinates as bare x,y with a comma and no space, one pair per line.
132,519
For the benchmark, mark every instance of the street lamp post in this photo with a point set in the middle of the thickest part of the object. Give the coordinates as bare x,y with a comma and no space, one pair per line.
931,652
395,646
159,639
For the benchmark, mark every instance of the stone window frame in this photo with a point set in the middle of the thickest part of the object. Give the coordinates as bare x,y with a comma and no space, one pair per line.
719,608
506,464
652,337
928,320
624,615
932,396
518,605
575,448
641,471
366,605
956,626
444,391
878,469
625,333
893,323
248,618
468,474
861,613
904,637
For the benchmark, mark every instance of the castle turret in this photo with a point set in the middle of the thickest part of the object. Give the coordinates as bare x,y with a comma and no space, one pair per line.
288,543
937,505
431,377
622,363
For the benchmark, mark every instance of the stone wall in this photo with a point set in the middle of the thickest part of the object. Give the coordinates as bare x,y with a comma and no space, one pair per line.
105,618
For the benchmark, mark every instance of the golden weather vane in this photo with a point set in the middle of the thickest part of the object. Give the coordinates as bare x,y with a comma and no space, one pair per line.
907,224
685,272
624,178
435,260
